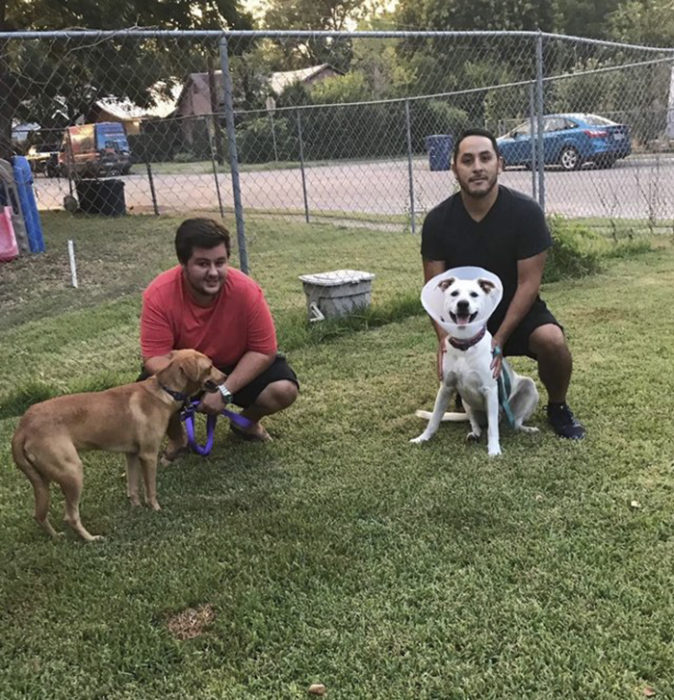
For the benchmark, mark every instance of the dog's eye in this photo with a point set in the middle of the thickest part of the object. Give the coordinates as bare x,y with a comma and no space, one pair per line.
455,293
473,294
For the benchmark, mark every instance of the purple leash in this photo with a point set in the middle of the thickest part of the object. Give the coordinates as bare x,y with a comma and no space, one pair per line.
187,415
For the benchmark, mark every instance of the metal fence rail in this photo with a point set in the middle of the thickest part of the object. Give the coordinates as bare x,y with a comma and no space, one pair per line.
364,138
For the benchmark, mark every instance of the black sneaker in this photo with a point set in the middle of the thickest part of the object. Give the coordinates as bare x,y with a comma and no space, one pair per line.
564,423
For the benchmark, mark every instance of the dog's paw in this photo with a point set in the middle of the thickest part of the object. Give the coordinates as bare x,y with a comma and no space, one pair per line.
419,440
528,429
473,437
494,451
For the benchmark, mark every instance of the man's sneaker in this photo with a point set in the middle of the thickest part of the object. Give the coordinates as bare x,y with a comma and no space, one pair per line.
564,423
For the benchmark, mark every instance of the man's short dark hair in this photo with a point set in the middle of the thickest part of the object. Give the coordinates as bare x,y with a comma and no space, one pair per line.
475,132
199,233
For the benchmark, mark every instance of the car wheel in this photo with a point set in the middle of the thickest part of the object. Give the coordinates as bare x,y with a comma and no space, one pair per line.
569,158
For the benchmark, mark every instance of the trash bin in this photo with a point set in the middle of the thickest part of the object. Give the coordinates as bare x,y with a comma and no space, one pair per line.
101,197
439,147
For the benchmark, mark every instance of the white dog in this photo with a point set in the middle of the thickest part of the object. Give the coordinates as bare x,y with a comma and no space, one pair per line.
466,367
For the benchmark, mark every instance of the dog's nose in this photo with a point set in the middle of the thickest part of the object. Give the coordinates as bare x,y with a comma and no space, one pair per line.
462,307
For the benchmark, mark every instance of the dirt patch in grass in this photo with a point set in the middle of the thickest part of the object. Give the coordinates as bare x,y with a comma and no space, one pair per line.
191,622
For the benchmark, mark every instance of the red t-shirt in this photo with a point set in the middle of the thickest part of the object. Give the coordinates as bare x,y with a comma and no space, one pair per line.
237,322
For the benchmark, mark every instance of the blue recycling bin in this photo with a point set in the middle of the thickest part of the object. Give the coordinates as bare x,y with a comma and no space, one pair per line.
23,177
439,147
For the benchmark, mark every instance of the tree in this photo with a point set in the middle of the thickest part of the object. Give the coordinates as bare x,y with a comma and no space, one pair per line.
70,75
336,15
649,22
458,15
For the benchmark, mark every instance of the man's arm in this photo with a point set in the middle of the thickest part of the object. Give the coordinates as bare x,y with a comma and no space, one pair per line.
251,365
155,364
431,269
529,276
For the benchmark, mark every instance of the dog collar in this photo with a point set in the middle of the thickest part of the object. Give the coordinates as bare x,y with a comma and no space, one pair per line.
178,396
461,344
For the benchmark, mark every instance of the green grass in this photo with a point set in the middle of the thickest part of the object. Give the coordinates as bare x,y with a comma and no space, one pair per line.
340,553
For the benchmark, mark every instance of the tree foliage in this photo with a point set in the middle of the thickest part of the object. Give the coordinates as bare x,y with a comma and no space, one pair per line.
59,81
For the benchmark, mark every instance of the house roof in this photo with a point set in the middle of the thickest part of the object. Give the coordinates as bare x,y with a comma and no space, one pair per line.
281,79
127,110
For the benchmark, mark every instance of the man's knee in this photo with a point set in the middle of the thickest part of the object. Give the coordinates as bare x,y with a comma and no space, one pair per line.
548,341
279,394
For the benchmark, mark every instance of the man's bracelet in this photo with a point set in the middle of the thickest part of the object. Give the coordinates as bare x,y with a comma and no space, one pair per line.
496,351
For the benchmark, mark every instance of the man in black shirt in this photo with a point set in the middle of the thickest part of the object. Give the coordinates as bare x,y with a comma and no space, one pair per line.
488,225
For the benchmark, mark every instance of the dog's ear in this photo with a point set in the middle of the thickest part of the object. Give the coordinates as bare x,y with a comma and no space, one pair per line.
486,285
445,284
204,363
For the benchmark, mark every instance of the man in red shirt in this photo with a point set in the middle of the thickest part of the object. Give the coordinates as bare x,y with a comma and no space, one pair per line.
204,304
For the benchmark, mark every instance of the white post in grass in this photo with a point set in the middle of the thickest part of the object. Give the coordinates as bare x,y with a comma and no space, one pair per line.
73,266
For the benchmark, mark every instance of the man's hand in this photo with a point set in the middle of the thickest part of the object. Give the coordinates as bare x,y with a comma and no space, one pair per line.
211,403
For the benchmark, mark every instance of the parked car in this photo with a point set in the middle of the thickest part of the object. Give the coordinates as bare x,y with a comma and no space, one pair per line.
569,140
95,150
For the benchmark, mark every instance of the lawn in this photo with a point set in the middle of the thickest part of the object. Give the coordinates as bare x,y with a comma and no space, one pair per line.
339,553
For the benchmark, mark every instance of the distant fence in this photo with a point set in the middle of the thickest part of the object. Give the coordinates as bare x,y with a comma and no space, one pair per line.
205,135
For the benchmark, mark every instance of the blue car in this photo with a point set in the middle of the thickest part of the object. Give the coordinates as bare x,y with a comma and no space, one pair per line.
569,140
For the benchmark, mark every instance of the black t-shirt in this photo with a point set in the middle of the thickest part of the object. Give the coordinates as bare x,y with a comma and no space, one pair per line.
513,229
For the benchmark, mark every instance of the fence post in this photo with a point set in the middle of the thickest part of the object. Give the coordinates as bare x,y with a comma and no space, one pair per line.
151,180
410,172
214,166
304,179
233,155
273,135
539,114
534,142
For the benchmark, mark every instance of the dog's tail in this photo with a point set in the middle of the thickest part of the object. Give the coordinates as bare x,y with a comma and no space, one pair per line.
22,458
24,461
451,416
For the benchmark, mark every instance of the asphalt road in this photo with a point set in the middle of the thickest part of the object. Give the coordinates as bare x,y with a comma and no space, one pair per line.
640,187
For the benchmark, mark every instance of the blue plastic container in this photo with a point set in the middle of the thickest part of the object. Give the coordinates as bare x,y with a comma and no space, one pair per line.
439,147
23,177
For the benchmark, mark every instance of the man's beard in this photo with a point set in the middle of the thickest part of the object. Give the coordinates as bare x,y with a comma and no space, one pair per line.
480,193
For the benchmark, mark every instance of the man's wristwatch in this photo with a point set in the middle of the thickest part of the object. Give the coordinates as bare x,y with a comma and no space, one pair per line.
225,393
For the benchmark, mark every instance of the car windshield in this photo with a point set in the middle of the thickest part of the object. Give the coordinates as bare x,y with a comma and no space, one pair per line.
521,130
112,140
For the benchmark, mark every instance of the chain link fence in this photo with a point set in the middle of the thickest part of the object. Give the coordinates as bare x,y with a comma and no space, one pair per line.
278,129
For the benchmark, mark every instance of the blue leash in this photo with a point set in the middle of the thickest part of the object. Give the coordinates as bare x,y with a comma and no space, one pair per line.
504,388
187,415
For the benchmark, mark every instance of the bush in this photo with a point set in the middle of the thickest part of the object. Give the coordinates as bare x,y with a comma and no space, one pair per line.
575,252
578,250
184,157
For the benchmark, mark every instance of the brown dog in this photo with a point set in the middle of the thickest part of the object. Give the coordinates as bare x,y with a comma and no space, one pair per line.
131,418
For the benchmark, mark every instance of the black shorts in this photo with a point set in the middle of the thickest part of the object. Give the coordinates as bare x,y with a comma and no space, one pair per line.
539,315
278,370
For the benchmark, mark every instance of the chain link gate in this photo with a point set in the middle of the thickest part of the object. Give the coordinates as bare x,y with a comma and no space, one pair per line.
359,141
